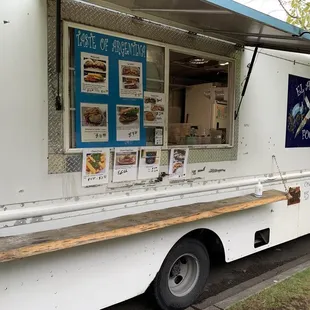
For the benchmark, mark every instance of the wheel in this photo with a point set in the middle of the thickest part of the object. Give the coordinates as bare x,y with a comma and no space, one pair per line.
182,276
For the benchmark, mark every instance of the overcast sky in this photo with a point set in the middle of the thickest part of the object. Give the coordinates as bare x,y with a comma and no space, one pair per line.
270,7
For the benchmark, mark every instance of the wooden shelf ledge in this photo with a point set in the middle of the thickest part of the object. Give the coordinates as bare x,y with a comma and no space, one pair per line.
21,246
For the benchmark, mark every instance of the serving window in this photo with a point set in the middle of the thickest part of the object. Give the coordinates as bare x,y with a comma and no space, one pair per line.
125,91
199,100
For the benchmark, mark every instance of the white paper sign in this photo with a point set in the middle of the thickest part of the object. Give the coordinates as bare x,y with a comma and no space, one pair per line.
127,123
154,109
125,165
94,122
178,163
158,136
94,74
95,170
130,79
149,163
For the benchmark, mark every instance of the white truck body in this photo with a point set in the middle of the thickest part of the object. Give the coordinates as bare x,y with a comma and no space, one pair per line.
102,274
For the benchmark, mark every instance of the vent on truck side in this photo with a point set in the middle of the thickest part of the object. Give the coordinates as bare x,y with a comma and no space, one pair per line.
262,237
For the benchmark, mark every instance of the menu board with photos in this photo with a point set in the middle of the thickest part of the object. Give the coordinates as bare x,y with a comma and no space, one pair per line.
110,79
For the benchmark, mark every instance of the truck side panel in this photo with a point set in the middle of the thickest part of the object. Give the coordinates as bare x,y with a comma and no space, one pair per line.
25,179
102,274
96,276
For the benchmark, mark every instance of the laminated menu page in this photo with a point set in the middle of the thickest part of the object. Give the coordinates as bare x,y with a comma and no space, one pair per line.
94,122
125,164
130,79
94,71
95,170
149,163
154,109
178,163
127,123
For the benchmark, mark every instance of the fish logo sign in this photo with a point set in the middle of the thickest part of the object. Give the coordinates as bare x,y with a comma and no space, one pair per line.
300,111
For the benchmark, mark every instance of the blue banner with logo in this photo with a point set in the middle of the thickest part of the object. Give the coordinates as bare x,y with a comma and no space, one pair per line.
298,112
110,79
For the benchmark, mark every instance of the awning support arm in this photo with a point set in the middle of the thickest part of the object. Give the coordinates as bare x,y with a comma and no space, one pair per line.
246,81
58,53
302,34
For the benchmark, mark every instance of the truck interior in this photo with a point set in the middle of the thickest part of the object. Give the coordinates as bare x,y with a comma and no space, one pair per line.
198,100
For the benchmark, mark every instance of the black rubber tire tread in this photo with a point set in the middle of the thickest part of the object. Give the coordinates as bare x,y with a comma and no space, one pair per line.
159,288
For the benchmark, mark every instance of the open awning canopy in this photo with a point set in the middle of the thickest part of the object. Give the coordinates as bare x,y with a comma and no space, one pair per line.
223,19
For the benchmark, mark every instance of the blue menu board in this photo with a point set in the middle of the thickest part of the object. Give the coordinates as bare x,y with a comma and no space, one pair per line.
110,79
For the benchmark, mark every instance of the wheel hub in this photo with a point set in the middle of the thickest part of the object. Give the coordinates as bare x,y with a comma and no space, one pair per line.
183,275
176,269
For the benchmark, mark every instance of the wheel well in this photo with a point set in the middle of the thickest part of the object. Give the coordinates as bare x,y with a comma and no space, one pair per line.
211,241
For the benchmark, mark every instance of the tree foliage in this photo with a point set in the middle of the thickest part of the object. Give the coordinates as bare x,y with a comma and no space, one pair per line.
299,13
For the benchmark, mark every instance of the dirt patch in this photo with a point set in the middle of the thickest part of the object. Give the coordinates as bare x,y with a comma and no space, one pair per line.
239,276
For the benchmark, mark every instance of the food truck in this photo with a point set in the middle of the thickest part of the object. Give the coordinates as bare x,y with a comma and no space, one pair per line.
134,137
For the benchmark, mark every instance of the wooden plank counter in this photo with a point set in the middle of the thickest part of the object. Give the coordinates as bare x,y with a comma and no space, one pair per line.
17,247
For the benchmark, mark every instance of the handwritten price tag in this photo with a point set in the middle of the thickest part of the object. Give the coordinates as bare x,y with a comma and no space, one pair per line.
99,178
153,169
122,171
132,134
99,135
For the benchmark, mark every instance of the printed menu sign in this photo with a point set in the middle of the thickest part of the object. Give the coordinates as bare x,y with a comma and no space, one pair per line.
298,112
178,163
95,169
158,136
130,79
94,122
94,73
125,165
154,109
128,123
109,82
149,163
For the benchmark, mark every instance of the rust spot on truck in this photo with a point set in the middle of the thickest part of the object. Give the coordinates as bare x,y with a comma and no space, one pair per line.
294,196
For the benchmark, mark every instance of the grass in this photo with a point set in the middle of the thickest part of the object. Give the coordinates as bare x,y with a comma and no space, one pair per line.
291,294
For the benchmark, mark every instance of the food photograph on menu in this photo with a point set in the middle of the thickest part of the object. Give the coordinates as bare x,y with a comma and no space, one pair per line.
128,122
131,83
125,159
95,163
131,70
154,109
94,122
125,165
178,163
94,74
130,79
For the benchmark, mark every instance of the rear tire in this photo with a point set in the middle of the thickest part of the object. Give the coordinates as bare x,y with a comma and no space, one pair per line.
183,275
